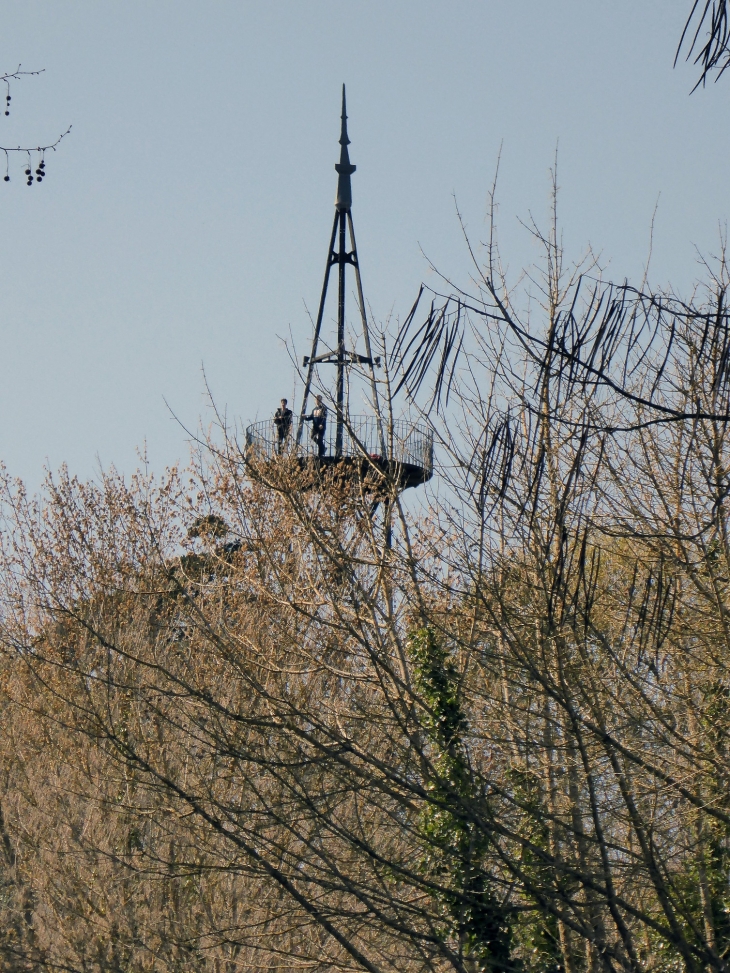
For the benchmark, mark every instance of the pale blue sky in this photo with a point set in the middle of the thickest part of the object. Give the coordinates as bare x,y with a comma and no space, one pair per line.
185,221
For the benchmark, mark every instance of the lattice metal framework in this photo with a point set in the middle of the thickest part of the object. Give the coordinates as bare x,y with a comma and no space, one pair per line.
338,255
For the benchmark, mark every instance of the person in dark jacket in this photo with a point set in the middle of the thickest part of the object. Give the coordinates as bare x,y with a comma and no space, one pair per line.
282,421
318,418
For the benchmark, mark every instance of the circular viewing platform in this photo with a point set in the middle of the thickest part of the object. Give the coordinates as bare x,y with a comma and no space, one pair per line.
400,449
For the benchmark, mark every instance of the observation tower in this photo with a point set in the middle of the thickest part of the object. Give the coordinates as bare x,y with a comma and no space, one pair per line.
368,447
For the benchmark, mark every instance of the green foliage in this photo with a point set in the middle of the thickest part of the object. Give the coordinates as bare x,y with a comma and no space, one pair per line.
536,933
717,833
457,844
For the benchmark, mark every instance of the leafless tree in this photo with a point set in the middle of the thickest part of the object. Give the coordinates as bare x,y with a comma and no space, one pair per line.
260,722
35,156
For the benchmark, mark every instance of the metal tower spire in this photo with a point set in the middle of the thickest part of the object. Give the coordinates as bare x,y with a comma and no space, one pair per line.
342,358
368,450
343,200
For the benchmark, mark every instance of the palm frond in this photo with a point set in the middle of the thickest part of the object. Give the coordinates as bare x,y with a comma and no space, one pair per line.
706,35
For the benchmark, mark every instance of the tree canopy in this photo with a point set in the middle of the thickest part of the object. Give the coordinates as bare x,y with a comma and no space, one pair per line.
261,719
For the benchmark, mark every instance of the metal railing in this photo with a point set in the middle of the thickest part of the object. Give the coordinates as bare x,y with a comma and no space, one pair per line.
400,442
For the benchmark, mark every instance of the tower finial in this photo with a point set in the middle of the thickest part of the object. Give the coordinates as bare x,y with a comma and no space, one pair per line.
343,200
344,140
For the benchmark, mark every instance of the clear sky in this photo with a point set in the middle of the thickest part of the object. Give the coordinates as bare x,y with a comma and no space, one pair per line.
183,225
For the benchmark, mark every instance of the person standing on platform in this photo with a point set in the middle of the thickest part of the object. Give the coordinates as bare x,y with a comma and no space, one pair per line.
282,421
318,418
